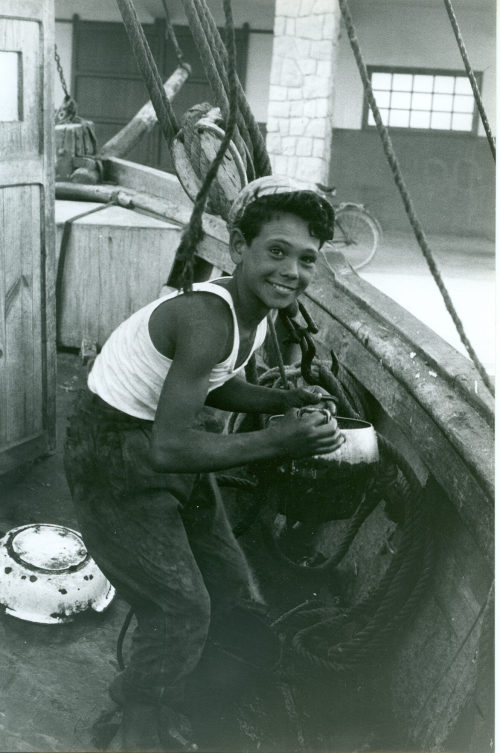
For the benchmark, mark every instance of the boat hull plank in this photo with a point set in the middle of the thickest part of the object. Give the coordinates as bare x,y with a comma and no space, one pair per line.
435,668
454,440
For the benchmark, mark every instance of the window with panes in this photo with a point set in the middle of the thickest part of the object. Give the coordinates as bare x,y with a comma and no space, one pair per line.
423,99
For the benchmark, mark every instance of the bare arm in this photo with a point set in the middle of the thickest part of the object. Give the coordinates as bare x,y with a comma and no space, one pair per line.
177,447
239,395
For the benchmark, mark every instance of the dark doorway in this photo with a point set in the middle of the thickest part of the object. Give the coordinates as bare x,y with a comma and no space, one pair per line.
109,89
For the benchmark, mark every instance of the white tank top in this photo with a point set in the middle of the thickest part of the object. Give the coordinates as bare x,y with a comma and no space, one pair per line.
129,372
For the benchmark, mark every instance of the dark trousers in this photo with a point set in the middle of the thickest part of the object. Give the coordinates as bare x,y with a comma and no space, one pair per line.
162,539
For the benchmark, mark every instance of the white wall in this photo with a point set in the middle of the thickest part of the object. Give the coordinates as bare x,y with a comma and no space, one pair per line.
394,34
260,47
390,33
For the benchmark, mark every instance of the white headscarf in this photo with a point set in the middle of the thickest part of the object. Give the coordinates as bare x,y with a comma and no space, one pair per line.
266,186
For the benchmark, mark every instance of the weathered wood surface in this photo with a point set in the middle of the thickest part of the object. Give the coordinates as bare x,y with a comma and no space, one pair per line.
440,415
145,119
213,248
22,339
434,671
72,140
429,390
116,262
27,312
147,180
414,376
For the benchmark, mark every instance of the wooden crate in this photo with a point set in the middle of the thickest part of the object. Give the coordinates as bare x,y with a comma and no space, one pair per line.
116,261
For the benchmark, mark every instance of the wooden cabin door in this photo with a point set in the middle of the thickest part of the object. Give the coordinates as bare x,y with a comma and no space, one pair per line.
27,305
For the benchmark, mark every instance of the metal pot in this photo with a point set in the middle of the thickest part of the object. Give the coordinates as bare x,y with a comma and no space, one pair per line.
47,575
327,487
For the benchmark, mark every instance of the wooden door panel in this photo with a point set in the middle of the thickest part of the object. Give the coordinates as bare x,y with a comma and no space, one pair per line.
111,97
22,378
104,47
23,135
27,303
107,85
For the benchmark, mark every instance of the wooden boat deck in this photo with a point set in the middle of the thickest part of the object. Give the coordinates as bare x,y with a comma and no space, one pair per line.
431,404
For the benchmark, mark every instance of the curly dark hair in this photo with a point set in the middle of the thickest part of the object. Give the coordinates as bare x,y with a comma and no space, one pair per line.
308,205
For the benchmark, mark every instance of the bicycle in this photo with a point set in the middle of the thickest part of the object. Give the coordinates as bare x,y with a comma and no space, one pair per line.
356,230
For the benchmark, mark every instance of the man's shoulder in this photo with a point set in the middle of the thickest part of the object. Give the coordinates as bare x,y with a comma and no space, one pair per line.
200,321
201,305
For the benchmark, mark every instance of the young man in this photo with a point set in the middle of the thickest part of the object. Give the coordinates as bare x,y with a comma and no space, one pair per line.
137,457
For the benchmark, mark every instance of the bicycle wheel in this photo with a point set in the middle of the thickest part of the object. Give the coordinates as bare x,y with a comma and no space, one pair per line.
356,234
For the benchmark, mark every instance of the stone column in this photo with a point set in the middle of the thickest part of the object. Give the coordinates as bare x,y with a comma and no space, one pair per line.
299,125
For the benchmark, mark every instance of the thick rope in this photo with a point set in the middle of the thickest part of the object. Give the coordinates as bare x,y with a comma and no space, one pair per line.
207,56
171,35
255,143
148,68
405,196
257,146
218,51
383,610
215,69
215,60
472,78
193,234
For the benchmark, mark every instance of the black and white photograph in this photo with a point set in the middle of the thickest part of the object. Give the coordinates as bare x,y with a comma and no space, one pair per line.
247,376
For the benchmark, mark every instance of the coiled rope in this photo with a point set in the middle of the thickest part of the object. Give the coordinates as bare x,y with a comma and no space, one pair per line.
384,610
381,612
405,196
472,78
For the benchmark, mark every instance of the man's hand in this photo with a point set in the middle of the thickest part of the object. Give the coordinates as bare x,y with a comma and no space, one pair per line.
298,398
306,435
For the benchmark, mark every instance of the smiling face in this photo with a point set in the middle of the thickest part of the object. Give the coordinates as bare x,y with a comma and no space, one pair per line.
277,264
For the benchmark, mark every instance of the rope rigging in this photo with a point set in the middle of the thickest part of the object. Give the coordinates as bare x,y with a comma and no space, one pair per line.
405,196
194,231
249,141
472,78
149,70
216,67
229,95
199,13
171,34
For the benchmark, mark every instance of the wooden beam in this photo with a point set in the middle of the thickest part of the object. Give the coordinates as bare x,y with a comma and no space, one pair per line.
213,247
145,119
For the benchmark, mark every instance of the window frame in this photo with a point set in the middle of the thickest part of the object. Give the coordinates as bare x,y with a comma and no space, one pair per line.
429,72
